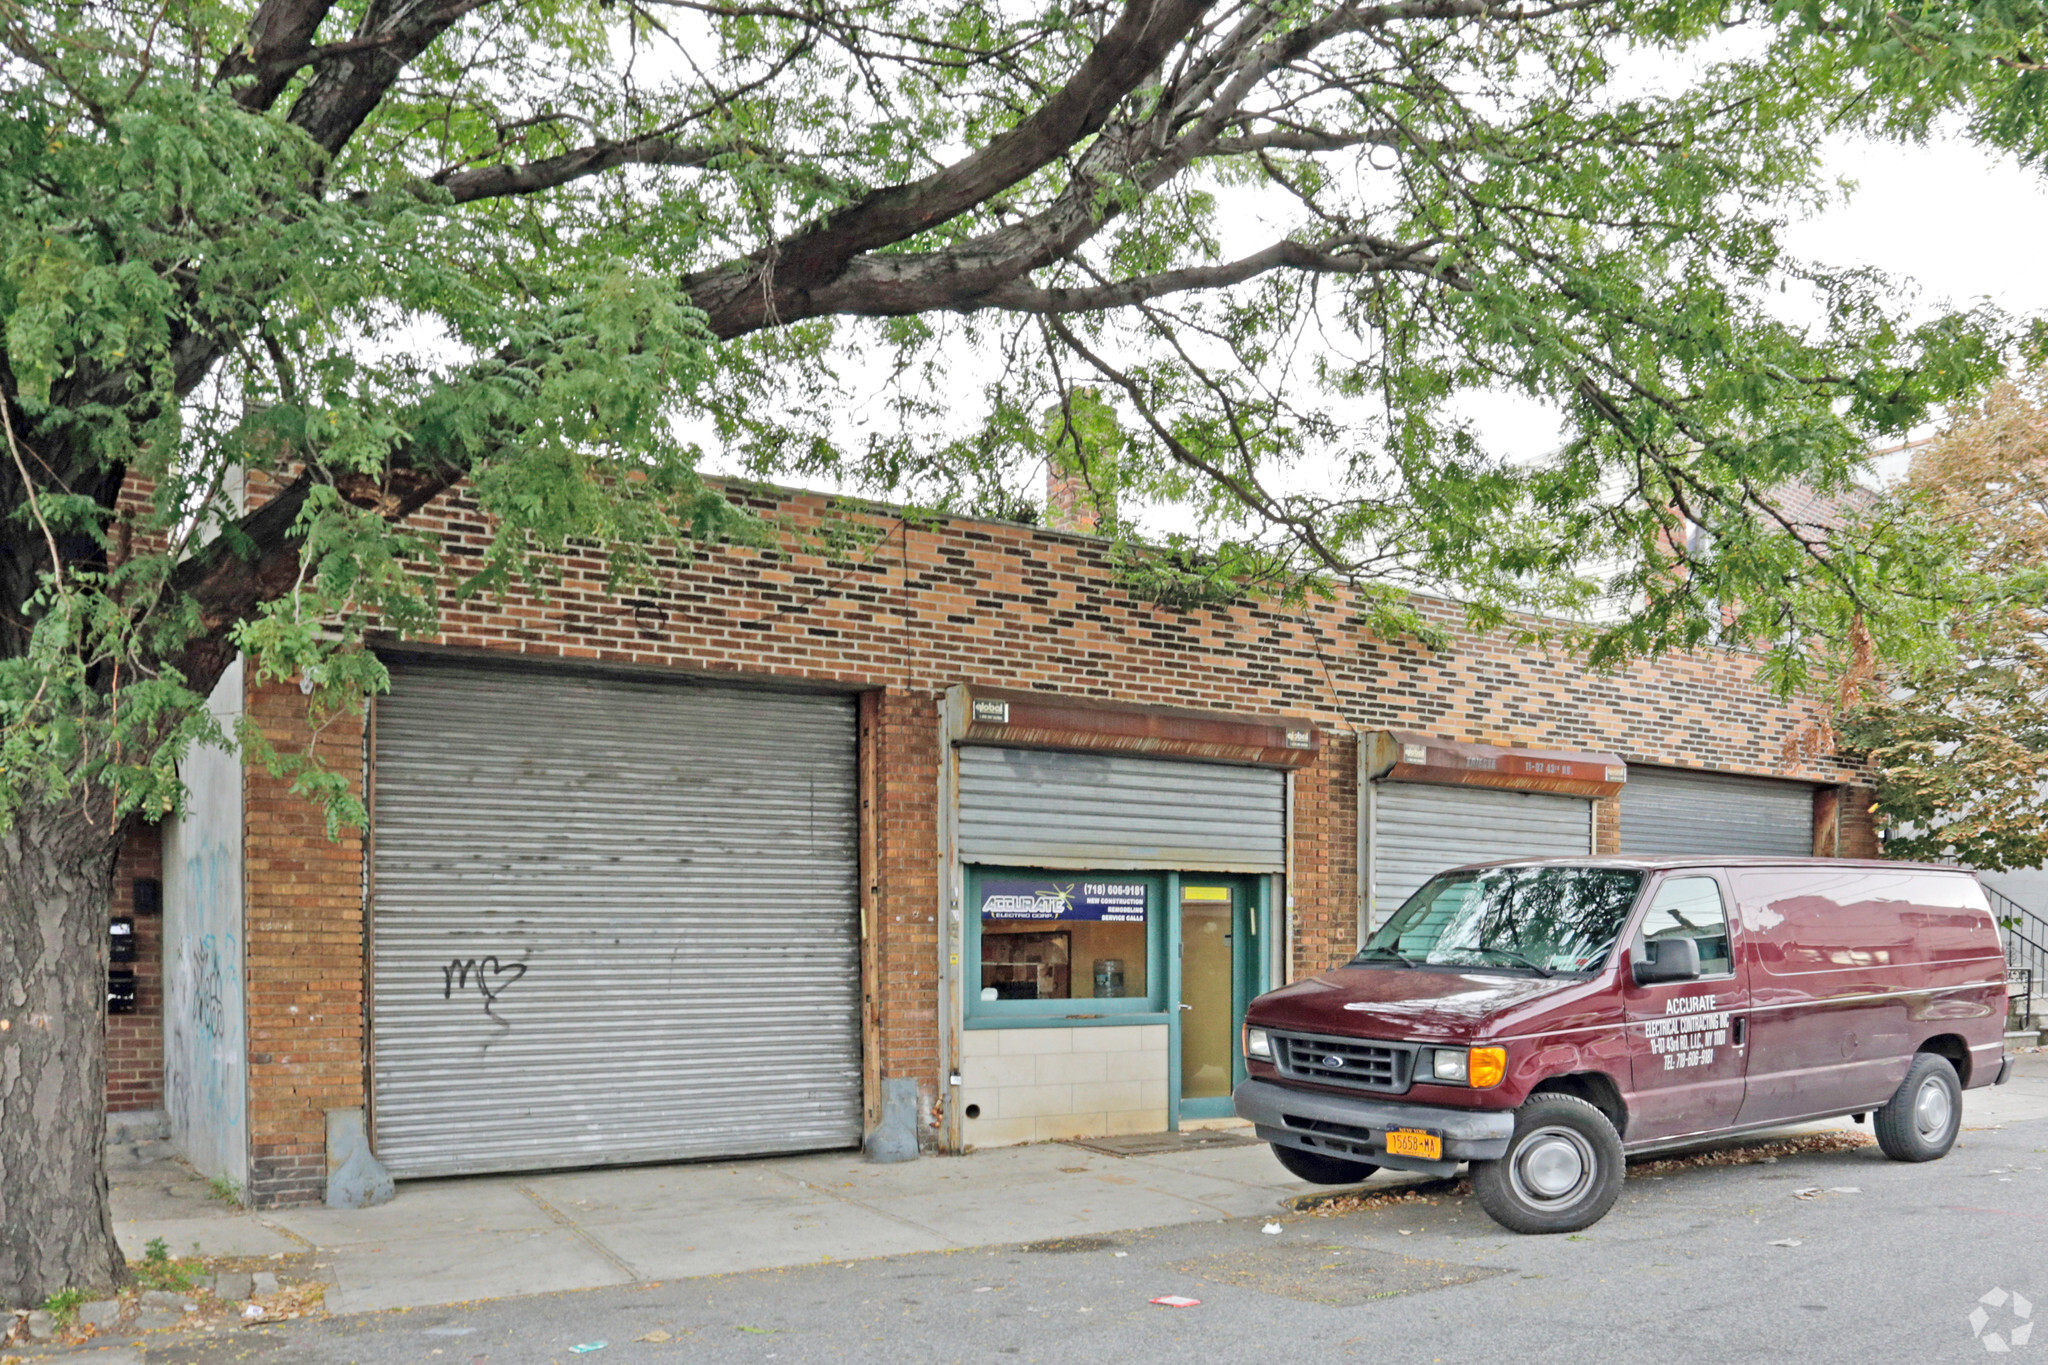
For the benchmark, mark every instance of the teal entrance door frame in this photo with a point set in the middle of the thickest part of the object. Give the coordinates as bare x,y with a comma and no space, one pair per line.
1251,922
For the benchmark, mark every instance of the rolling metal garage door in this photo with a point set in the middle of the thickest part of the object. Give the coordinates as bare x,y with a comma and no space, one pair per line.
1669,812
1036,808
614,921
1418,830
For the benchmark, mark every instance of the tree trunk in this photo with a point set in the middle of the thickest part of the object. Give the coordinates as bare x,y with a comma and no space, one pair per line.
56,886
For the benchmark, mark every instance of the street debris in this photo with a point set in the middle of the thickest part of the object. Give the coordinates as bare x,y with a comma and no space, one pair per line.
1757,1153
587,1347
1271,1229
1787,1242
657,1335
1176,1301
251,1311
1815,1191
1328,1206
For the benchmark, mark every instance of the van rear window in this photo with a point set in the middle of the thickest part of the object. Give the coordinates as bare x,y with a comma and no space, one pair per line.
1828,920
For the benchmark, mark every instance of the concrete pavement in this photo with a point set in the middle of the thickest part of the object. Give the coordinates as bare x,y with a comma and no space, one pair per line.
449,1241
1819,1257
445,1241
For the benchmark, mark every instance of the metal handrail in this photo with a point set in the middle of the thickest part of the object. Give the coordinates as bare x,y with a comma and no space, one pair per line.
2026,945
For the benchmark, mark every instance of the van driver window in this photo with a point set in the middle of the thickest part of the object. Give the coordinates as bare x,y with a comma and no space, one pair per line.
1690,907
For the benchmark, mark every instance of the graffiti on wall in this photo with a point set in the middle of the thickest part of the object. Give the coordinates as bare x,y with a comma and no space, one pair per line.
490,975
203,1014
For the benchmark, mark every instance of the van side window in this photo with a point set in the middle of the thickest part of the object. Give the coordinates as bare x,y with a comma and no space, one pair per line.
1690,907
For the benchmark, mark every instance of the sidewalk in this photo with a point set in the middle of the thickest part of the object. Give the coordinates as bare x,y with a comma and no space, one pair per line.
446,1241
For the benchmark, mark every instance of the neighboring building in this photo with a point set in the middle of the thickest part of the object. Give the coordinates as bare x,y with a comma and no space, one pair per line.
713,869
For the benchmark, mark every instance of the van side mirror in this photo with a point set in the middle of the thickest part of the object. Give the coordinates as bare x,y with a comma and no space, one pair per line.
1668,959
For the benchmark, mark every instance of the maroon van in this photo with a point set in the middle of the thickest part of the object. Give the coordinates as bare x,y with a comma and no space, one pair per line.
1544,1019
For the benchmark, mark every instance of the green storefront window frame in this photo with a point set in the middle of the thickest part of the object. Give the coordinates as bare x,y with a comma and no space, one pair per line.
1147,1009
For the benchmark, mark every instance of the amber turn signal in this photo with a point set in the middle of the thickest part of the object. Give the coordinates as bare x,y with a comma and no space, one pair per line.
1487,1066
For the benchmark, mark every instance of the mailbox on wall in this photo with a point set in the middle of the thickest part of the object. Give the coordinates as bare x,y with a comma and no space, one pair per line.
149,896
120,991
121,939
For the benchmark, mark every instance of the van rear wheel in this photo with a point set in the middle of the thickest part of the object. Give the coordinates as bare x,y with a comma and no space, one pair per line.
1318,1169
1562,1170
1921,1119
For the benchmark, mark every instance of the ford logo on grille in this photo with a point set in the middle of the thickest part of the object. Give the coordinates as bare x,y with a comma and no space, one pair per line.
1332,1059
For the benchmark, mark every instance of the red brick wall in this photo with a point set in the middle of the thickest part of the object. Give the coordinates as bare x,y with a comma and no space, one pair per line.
303,927
135,1042
907,847
929,606
1858,838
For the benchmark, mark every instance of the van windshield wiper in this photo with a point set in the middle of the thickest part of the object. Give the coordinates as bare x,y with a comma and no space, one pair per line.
1394,953
1520,959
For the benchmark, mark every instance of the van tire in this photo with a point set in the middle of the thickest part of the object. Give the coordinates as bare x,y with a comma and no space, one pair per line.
1584,1165
1318,1169
1921,1119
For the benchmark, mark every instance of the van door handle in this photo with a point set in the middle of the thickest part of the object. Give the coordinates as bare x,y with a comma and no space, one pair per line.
1741,1029
1187,1007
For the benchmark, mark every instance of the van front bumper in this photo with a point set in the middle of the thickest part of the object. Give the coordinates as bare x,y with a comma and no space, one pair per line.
1356,1129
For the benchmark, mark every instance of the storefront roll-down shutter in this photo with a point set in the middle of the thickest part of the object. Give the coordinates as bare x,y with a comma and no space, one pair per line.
1419,830
1672,812
1044,808
613,921
1434,804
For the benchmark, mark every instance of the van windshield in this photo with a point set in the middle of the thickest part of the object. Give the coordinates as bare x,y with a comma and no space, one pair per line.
1541,919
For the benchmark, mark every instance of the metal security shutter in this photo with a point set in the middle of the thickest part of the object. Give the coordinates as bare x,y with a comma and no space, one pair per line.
1668,812
1419,830
615,921
1033,808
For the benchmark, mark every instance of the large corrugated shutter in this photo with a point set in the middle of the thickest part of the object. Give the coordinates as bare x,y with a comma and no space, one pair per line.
614,921
1034,808
1419,830
1669,812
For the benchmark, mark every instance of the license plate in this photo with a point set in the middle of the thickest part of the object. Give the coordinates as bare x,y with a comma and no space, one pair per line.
1408,1142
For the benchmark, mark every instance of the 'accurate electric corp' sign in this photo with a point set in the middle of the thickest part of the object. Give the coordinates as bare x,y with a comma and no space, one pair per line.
1109,902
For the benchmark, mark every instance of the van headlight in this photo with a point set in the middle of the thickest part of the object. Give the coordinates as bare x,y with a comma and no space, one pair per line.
1257,1044
1479,1067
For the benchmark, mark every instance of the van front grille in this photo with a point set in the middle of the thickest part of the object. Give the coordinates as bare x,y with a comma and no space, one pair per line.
1386,1068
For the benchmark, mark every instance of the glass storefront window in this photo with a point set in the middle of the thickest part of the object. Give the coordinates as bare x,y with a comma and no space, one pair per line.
1066,942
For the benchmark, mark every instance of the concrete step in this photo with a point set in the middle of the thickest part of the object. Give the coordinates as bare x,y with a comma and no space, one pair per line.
138,1138
134,1156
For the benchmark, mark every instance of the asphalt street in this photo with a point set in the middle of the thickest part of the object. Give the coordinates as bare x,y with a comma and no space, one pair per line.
1834,1256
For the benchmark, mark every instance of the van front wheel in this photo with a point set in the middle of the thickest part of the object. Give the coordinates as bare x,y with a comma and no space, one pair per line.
1562,1170
1921,1119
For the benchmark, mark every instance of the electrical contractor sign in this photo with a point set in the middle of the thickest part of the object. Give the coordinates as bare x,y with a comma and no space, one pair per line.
1049,899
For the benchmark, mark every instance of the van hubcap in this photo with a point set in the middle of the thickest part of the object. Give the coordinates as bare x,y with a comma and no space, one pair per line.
1932,1108
1554,1166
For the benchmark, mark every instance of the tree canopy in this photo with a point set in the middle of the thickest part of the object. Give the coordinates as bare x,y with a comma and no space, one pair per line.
1958,743
561,249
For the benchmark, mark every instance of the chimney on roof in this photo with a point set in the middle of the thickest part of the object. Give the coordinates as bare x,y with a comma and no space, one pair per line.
1069,501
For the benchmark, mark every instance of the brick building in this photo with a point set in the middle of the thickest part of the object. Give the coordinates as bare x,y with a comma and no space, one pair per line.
948,835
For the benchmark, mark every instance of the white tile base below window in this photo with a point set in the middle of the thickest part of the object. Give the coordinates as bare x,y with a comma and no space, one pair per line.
1042,1084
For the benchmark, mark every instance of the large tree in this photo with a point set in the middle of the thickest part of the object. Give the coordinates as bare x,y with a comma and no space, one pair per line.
374,248
1957,739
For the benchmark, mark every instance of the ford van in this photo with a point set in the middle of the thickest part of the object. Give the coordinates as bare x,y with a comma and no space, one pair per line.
1544,1020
